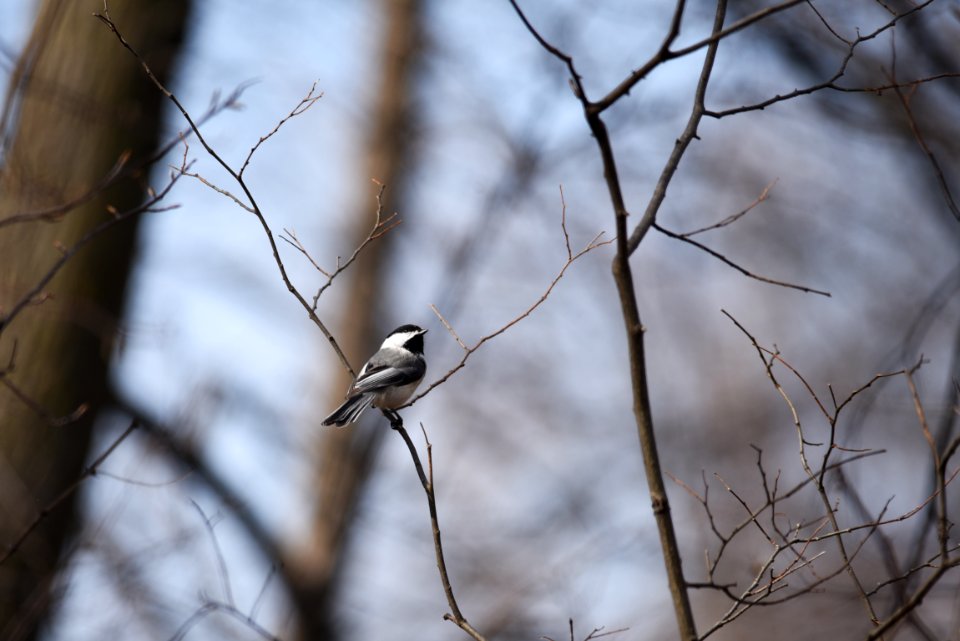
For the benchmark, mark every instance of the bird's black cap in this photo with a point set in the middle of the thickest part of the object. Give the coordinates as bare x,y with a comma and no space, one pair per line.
407,328
415,342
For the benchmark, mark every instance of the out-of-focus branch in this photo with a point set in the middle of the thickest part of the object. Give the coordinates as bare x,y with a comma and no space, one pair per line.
123,168
938,172
66,253
228,605
212,606
90,470
832,82
185,455
914,602
55,213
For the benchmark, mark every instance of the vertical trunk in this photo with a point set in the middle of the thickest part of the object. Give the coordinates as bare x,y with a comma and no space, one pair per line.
345,455
77,102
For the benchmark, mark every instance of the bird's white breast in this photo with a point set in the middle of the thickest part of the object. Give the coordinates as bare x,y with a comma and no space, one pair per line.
394,397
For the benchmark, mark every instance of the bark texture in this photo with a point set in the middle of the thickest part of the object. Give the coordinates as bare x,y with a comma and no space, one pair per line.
77,103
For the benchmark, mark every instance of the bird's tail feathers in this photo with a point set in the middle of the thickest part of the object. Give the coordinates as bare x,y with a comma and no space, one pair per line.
350,411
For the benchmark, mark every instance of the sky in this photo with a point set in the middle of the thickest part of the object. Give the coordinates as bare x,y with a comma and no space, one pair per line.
215,342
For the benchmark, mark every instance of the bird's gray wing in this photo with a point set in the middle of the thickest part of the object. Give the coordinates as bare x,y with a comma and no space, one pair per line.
376,378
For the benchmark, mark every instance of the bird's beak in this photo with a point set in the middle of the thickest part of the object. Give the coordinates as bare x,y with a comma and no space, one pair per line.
422,332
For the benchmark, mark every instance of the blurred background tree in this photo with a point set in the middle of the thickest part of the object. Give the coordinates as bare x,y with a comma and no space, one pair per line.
539,482
78,124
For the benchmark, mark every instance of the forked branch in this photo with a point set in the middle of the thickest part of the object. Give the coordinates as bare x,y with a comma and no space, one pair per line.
426,481
468,350
237,175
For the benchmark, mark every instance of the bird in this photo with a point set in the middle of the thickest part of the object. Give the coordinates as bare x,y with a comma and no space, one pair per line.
388,379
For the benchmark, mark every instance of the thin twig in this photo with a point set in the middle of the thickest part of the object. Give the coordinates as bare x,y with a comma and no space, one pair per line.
105,18
90,470
831,83
147,484
938,171
222,570
649,217
468,350
220,190
124,168
55,213
838,533
210,607
381,226
914,601
305,103
664,53
732,218
263,591
67,253
772,281
943,523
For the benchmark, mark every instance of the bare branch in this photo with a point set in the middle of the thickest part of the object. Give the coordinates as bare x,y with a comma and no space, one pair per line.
220,190
210,607
90,470
780,283
623,278
938,172
53,214
305,103
831,83
664,53
732,218
575,79
311,313
914,601
148,484
594,243
455,615
66,253
123,168
649,217
221,561
380,227
836,532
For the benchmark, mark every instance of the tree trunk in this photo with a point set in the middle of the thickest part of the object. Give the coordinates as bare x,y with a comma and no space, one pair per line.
346,455
77,102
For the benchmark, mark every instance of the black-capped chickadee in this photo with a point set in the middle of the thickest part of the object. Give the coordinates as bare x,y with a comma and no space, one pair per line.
388,379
